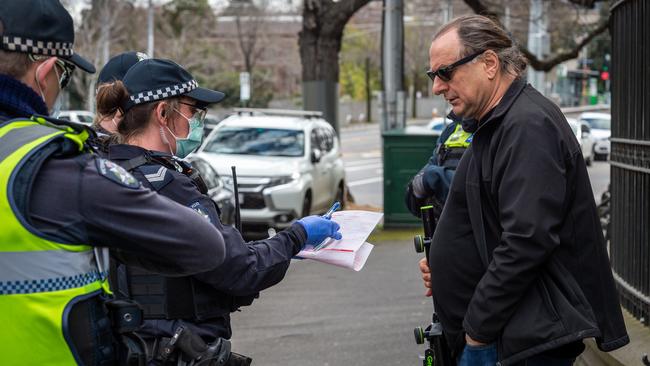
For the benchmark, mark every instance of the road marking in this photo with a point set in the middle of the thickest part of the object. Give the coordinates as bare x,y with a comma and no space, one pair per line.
361,162
363,167
365,181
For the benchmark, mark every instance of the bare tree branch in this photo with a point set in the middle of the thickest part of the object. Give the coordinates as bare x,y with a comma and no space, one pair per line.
548,63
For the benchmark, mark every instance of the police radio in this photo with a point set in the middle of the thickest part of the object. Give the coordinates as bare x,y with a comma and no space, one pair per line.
438,353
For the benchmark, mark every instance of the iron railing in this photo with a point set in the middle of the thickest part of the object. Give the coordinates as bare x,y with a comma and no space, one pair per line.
630,154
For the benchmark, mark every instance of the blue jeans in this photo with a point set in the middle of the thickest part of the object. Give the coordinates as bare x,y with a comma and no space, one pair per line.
487,356
479,355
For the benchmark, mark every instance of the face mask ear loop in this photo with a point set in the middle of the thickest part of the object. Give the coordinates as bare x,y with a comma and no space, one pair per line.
38,84
165,140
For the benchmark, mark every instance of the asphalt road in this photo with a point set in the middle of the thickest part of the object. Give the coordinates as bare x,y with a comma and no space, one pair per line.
329,316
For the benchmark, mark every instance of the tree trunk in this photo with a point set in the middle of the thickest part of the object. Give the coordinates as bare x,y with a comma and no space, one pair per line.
320,42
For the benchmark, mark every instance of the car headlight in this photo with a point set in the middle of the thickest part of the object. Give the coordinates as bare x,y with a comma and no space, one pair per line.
277,181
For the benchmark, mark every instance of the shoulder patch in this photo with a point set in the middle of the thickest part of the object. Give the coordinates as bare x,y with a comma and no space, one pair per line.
116,173
202,210
157,175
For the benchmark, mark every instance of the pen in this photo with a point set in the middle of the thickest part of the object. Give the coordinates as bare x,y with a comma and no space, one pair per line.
328,215
335,206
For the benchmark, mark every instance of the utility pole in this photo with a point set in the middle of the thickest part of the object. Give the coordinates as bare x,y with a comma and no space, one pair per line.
150,44
368,96
394,97
538,41
449,11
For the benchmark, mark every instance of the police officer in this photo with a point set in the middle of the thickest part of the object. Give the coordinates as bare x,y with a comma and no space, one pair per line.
164,111
431,185
106,121
58,203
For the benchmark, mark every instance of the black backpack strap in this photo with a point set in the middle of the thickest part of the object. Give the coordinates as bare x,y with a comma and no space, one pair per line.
136,162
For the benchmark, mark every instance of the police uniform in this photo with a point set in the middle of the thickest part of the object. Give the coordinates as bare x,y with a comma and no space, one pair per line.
59,203
203,302
436,176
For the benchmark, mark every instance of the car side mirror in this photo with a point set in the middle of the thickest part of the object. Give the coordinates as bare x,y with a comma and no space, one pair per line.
315,156
585,134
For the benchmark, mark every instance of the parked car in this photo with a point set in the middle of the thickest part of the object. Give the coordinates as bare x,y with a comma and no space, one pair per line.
601,129
288,164
218,191
438,124
84,117
582,132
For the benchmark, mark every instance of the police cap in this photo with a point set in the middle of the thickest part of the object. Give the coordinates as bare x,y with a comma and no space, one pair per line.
117,66
39,27
156,79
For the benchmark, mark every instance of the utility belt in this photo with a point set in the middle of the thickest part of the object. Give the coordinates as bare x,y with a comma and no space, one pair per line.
184,348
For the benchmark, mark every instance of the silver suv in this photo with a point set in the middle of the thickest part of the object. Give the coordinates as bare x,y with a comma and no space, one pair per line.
288,164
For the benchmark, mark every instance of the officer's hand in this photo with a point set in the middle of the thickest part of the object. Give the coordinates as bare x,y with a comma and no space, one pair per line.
413,203
419,188
319,228
426,275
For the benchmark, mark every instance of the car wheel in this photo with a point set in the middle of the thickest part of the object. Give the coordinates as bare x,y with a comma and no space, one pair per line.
306,204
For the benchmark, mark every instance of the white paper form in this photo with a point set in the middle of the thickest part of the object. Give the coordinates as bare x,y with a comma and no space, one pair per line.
352,250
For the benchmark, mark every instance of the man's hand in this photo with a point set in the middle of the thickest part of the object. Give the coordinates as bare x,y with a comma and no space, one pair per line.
472,342
426,275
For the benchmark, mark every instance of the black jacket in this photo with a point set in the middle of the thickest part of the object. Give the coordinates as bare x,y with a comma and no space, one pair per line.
548,280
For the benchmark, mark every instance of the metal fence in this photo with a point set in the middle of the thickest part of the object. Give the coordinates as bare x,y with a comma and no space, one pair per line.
630,155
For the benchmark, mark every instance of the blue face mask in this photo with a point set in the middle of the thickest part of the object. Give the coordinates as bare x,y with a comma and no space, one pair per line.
184,146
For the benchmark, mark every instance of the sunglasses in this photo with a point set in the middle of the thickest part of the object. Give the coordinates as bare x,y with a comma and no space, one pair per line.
66,69
199,112
445,73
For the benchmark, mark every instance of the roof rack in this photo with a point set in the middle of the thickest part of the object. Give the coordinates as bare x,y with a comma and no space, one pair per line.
279,112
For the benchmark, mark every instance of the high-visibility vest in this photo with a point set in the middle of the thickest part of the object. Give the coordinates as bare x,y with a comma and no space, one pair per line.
453,148
40,279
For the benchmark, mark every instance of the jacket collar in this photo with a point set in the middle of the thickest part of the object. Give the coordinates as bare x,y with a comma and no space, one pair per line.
126,152
506,102
18,99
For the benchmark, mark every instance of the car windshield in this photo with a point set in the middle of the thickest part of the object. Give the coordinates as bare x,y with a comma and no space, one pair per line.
85,118
257,141
599,123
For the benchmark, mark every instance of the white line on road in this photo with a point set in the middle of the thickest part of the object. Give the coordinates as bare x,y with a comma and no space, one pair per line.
365,181
363,167
362,162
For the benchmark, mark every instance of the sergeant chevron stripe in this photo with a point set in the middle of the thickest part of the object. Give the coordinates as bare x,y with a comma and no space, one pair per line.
158,176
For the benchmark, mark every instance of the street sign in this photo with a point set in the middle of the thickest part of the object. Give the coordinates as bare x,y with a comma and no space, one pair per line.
244,86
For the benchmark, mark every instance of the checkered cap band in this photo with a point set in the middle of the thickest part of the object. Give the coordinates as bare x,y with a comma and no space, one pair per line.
167,92
49,284
21,44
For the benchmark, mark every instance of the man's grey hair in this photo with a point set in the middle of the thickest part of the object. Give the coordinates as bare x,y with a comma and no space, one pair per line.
479,33
14,64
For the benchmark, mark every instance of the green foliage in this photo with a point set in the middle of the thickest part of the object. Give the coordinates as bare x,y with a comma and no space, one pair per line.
356,47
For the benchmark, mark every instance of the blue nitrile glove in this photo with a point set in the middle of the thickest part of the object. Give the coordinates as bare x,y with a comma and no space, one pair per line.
319,228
